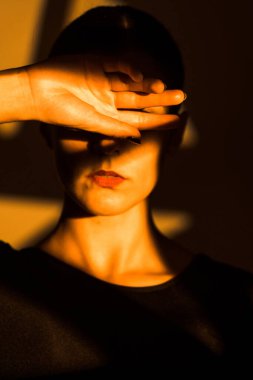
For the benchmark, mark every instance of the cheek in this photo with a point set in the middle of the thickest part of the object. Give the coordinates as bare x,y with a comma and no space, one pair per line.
143,164
71,158
147,164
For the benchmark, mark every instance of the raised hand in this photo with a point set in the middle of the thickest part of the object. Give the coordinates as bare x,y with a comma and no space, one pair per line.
95,94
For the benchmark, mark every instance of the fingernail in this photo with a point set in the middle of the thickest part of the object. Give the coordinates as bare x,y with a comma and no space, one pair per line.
185,96
134,140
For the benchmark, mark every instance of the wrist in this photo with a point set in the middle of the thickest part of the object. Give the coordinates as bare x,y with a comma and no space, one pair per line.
15,95
26,107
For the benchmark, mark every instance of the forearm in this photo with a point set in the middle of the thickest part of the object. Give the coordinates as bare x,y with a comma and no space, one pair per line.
16,102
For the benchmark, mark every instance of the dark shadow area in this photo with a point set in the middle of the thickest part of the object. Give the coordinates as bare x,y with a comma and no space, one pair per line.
213,181
82,322
52,20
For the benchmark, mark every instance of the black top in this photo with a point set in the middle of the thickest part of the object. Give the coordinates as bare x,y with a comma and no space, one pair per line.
57,322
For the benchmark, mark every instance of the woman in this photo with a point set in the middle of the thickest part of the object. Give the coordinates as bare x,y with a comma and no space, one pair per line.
106,291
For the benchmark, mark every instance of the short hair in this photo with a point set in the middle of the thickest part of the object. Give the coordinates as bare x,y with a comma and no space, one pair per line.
111,30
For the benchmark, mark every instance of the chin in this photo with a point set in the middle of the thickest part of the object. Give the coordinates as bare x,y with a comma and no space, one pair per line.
106,205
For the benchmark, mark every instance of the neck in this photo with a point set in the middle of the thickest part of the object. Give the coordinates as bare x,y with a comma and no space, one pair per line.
108,246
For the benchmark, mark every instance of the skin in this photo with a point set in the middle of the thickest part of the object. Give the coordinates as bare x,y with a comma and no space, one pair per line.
106,232
100,228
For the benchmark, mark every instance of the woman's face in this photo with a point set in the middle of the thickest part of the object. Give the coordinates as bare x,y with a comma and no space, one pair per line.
77,155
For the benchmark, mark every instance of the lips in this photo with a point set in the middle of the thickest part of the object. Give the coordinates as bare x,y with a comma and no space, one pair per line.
106,178
106,173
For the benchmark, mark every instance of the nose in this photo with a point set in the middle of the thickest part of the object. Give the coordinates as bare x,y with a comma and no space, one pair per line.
107,147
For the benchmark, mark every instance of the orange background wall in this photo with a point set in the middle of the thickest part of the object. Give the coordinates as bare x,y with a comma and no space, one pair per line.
205,198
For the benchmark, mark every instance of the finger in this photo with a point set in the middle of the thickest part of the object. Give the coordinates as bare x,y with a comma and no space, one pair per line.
161,110
123,83
97,81
115,65
80,115
133,100
143,120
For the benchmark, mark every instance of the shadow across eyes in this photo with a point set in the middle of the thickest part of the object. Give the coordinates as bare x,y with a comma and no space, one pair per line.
72,133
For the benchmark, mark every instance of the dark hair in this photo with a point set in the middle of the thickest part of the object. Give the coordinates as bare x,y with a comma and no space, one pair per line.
114,29
111,30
